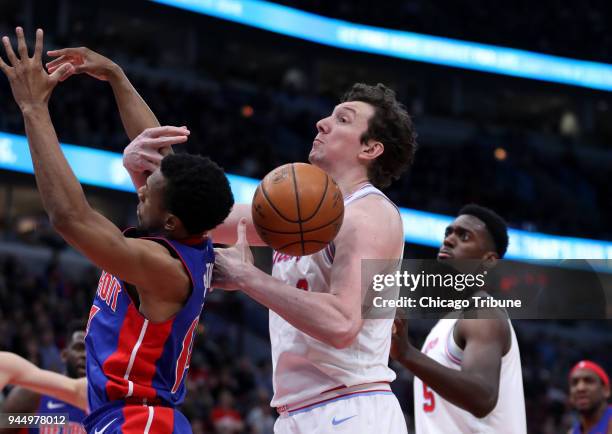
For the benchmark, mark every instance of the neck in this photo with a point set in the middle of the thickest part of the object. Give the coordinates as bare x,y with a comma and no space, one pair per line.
590,419
350,183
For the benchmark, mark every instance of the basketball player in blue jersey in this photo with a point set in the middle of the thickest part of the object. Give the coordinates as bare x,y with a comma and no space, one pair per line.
589,391
46,392
151,293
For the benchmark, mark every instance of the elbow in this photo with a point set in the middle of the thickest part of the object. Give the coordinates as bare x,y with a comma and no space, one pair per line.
62,221
345,335
483,407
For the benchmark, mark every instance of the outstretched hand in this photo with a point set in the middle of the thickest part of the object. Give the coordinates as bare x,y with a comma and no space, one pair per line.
84,61
231,264
30,83
145,152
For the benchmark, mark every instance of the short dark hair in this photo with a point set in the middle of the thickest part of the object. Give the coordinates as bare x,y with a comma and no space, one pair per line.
197,191
391,125
496,226
75,325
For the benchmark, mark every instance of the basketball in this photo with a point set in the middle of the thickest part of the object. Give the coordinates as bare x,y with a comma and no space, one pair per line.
297,209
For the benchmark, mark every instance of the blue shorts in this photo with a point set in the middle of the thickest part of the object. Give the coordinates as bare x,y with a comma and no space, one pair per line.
124,418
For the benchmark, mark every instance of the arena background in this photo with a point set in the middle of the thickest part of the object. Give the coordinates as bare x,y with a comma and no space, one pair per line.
536,151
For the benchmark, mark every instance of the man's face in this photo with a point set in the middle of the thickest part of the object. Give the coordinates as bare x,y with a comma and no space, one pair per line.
338,141
74,355
465,238
151,209
587,391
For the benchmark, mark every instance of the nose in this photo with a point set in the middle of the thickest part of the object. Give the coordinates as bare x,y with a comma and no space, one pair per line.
323,125
450,240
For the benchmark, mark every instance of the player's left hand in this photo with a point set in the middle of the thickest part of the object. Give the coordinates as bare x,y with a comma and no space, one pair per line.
30,83
233,263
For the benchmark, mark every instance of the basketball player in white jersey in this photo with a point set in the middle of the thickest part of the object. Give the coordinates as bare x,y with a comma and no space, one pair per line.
331,369
468,376
330,365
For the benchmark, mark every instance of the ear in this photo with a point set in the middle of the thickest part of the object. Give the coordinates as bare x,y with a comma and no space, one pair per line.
172,223
371,150
489,260
64,355
606,392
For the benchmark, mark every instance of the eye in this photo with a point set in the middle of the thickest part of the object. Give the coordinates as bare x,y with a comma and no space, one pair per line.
465,236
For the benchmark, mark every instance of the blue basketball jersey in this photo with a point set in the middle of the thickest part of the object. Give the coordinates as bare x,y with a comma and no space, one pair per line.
600,428
50,406
132,360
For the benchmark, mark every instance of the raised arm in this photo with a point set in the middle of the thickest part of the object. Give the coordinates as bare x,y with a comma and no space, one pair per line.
135,113
485,343
145,264
18,371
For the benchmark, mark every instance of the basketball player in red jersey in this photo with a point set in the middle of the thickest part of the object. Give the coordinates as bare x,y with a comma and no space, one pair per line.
152,290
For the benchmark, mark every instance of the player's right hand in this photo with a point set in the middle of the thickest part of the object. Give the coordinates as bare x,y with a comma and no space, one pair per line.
145,152
84,60
400,343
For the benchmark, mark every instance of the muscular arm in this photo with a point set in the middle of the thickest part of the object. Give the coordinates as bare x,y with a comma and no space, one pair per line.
145,264
34,381
485,341
335,318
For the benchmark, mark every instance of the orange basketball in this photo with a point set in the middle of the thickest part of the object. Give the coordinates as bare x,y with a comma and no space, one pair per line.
297,209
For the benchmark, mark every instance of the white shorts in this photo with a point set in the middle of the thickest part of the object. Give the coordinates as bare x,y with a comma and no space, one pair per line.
370,413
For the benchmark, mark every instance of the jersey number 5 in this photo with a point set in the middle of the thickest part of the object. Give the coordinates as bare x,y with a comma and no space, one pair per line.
429,399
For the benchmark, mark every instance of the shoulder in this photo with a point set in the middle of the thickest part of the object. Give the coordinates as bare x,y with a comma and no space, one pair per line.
373,212
371,226
493,331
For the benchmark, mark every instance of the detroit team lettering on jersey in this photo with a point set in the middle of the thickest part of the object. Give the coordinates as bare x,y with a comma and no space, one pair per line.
130,358
51,406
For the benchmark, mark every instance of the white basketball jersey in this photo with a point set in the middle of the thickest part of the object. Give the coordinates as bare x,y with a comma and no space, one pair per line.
434,415
304,367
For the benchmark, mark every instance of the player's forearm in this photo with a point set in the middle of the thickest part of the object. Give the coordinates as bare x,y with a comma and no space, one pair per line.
317,314
136,115
452,384
60,191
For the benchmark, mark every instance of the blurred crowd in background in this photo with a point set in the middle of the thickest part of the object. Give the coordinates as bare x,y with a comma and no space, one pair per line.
534,152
